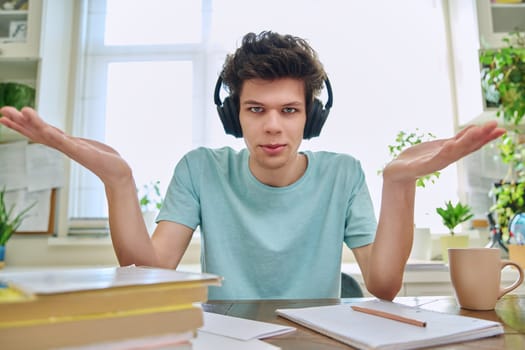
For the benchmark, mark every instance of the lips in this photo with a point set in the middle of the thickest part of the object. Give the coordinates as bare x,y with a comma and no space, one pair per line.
273,149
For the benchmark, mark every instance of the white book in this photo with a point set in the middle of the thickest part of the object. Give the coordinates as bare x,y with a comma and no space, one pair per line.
365,331
240,328
66,280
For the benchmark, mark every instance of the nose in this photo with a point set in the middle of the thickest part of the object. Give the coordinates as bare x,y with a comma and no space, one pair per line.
272,122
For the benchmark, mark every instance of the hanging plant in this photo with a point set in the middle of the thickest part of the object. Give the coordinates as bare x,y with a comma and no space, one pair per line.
503,78
503,85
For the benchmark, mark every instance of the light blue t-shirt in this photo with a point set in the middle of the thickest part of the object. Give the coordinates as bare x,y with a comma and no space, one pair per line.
271,242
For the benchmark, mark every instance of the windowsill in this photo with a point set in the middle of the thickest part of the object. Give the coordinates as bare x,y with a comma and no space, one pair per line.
79,241
88,241
87,244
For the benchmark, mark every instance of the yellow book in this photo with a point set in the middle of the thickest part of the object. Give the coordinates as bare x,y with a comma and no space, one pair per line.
43,294
176,322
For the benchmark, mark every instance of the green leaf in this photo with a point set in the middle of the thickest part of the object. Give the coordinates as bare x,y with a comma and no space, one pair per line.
17,95
8,223
503,73
150,197
453,215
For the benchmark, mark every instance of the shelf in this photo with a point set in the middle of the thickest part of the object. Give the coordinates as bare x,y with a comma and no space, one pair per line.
20,70
508,18
7,18
20,29
509,5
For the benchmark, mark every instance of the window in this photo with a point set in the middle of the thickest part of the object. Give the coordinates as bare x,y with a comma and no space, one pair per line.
150,68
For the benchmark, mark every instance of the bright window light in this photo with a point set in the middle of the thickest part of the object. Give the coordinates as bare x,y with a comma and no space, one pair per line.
152,22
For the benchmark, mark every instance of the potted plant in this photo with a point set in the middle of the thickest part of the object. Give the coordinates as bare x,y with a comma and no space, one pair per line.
503,85
422,242
9,223
150,200
17,95
452,216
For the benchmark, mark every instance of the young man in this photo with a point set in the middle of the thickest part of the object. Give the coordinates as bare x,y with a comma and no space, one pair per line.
273,220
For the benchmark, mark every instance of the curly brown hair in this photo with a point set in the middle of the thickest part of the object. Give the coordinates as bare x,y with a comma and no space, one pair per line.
269,55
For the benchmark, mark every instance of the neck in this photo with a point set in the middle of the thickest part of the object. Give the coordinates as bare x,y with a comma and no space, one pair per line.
281,176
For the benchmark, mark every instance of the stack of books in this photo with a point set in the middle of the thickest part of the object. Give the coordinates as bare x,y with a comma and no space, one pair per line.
59,308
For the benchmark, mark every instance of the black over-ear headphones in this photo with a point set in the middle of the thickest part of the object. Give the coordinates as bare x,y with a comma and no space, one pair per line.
314,120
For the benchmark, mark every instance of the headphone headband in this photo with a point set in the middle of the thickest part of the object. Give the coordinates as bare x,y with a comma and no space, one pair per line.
330,100
217,93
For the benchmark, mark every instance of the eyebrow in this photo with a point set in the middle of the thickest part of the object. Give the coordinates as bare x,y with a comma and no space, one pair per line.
254,102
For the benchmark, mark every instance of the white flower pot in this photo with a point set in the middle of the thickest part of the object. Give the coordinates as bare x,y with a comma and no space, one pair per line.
422,244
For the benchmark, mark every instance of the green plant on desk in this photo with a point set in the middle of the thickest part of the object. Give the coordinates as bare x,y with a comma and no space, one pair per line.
453,215
9,222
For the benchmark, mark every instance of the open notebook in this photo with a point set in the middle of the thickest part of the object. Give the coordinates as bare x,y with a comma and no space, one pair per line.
365,331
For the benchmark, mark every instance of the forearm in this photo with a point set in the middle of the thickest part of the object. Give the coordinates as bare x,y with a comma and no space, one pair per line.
129,235
393,241
384,262
128,230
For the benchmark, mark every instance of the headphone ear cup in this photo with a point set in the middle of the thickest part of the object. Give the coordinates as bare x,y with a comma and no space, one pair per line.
222,115
230,117
233,114
315,120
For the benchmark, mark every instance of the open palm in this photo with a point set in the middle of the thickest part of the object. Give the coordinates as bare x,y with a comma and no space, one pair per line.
428,157
102,160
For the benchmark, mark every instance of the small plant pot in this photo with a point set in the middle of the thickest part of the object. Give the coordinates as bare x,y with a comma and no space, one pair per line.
455,241
422,245
2,256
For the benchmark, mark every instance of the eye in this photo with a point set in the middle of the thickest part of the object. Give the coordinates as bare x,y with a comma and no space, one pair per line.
289,110
255,109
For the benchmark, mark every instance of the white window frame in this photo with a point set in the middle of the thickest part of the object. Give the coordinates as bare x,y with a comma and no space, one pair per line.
207,58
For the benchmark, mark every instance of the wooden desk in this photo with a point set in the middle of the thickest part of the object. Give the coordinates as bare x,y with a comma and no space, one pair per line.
510,311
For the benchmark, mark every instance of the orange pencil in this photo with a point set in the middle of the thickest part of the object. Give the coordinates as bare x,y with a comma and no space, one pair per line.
389,316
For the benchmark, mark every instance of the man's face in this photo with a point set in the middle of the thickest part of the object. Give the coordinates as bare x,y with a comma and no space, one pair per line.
272,116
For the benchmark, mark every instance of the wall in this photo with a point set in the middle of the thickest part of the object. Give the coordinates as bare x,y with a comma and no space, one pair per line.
55,72
45,250
42,251
58,46
38,250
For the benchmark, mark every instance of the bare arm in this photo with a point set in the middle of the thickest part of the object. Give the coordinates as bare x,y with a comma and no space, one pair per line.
383,262
128,231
